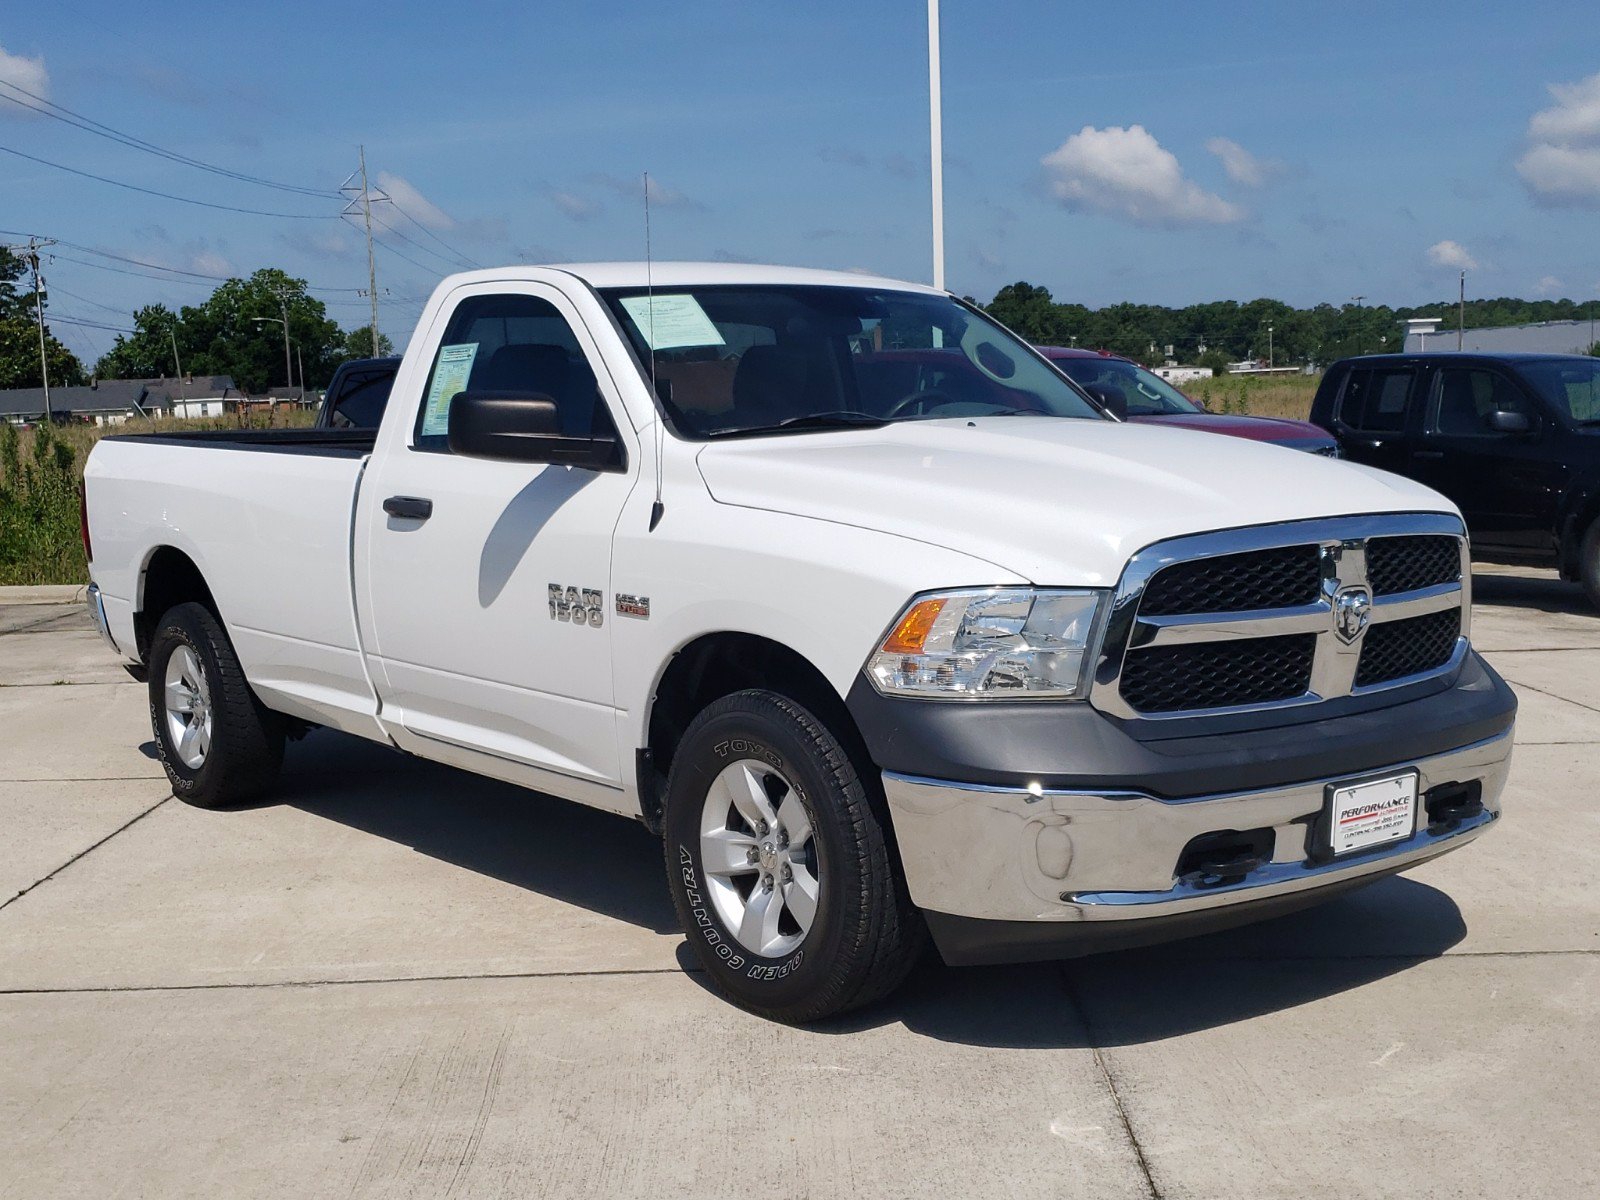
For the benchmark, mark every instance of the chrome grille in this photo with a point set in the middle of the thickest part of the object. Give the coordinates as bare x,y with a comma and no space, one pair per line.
1408,647
1278,578
1218,674
1287,614
1404,564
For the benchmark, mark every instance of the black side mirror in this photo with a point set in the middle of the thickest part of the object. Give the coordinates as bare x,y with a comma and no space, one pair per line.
1114,402
1508,422
525,427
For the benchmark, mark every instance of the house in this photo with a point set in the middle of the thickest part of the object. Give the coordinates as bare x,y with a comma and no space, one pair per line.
192,396
105,402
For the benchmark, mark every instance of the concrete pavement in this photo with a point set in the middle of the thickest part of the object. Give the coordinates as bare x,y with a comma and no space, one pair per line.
399,980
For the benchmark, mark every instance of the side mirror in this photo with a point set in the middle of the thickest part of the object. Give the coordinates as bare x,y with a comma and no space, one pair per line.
1508,422
1114,402
524,427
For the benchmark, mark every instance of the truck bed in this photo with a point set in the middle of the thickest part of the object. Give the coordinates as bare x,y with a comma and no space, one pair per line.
338,443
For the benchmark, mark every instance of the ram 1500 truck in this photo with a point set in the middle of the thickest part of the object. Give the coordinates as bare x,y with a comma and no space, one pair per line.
882,648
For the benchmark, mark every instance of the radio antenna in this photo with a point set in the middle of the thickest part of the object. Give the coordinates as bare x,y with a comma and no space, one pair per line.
658,508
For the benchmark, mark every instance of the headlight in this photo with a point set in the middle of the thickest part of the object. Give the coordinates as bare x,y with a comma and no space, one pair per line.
991,643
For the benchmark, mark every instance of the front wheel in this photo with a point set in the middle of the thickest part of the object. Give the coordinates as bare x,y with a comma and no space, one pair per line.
218,743
779,866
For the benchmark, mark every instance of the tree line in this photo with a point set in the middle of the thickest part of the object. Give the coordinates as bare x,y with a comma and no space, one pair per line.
1222,331
236,331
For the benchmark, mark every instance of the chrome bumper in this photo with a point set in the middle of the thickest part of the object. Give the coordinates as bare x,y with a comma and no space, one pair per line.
97,613
1103,855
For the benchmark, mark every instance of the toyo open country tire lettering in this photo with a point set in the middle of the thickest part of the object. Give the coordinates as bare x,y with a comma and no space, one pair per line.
219,745
779,866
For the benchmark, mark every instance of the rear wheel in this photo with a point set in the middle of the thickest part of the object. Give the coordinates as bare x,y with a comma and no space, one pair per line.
779,866
218,743
1589,563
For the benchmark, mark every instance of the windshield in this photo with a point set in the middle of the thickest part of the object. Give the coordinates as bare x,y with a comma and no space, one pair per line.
1570,385
744,359
1146,393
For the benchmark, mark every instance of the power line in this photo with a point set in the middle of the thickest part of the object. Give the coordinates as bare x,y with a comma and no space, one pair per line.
133,187
57,318
99,129
464,257
453,263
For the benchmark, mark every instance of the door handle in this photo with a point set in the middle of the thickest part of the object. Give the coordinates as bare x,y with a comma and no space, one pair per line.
1427,454
411,508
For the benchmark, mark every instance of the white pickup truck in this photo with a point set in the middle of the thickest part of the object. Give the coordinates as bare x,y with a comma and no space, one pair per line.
848,593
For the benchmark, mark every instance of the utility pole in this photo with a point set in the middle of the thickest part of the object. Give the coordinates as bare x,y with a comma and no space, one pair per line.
1461,313
1269,347
1360,345
30,255
288,367
936,143
183,391
365,198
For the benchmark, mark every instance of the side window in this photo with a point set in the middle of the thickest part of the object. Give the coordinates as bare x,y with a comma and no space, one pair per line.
1375,400
1466,396
509,343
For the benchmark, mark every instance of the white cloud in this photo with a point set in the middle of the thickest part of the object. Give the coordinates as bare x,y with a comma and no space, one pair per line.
1126,173
1242,166
1548,286
1562,163
413,203
1575,116
209,262
26,73
1453,255
579,208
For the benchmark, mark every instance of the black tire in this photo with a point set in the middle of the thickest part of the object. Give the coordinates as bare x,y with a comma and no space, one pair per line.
246,747
865,935
1589,562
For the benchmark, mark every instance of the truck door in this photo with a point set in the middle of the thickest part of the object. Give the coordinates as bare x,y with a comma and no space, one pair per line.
1372,421
487,591
1507,484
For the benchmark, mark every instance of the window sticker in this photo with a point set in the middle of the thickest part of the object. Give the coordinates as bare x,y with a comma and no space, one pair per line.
668,322
450,376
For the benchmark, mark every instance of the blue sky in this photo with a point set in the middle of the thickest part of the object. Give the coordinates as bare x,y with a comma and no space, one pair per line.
1149,152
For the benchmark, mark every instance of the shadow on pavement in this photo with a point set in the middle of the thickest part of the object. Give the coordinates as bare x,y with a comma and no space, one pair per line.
598,861
1543,592
1139,996
611,865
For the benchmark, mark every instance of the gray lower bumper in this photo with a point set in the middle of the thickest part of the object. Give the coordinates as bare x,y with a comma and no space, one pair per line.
1103,855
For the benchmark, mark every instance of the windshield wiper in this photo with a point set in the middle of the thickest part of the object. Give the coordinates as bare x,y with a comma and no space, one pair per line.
840,419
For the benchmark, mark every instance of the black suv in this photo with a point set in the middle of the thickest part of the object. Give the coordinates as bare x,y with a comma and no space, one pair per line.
1513,439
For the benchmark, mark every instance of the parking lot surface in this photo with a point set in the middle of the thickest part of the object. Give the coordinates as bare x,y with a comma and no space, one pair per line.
399,980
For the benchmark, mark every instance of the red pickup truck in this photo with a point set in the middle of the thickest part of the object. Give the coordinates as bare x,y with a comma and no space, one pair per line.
1135,394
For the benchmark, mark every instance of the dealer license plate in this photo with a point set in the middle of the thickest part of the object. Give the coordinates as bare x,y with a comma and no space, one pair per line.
1371,813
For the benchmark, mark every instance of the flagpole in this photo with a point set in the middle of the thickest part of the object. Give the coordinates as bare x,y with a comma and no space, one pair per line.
936,143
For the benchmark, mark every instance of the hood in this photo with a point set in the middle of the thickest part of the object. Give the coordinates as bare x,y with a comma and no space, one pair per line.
1257,429
1054,500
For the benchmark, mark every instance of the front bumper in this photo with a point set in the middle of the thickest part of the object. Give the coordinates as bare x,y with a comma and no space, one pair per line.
1019,873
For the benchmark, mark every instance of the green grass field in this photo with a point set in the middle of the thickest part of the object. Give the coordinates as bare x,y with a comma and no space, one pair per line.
40,472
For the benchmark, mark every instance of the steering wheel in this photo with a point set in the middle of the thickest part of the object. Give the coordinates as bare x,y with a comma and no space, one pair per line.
918,400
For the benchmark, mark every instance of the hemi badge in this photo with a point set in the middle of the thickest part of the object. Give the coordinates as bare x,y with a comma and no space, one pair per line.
633,606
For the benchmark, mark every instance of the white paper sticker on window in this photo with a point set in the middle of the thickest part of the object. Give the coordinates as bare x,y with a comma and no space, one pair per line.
668,322
450,376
